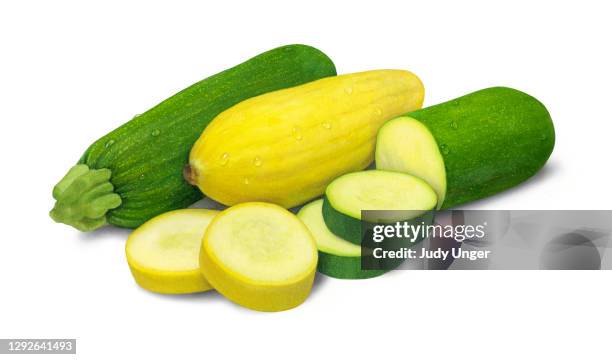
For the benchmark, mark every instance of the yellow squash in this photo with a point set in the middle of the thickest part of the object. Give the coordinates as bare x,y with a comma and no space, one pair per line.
284,147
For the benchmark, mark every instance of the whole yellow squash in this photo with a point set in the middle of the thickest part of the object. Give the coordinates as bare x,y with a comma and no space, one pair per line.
284,147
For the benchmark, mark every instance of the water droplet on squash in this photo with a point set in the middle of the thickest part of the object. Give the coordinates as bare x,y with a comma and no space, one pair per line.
246,181
224,159
444,148
257,161
142,176
155,132
326,125
348,90
109,143
543,137
296,133
454,125
378,111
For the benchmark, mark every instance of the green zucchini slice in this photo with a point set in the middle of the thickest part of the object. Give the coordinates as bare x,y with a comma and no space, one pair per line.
338,258
406,197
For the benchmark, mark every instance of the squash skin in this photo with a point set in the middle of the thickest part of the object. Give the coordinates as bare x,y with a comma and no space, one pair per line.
284,147
146,155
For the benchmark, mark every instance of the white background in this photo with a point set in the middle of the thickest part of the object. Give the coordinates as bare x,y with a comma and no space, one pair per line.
70,72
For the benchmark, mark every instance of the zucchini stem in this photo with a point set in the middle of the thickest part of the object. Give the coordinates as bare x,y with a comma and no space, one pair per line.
83,197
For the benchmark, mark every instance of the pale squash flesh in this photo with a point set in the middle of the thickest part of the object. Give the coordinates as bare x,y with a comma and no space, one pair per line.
405,145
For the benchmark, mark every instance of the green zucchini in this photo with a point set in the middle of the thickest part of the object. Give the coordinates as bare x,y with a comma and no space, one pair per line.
407,198
338,258
470,147
135,172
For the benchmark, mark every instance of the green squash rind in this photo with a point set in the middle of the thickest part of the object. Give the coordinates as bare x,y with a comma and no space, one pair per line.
345,267
341,225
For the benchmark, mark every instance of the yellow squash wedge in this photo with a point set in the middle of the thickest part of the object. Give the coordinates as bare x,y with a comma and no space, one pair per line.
284,147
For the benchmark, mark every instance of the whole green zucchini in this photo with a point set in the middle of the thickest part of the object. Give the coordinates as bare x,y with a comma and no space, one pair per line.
470,147
135,172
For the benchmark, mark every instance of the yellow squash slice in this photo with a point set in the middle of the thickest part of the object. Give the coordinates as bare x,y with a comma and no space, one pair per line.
260,256
163,253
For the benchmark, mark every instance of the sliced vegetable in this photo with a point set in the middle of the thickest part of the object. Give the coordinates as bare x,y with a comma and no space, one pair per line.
163,253
406,197
136,171
380,190
337,257
471,147
284,147
260,256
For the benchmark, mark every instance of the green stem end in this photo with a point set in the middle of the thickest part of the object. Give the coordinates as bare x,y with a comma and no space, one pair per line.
83,197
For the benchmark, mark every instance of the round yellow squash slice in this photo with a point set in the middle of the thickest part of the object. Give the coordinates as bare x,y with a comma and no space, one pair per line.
163,253
260,256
